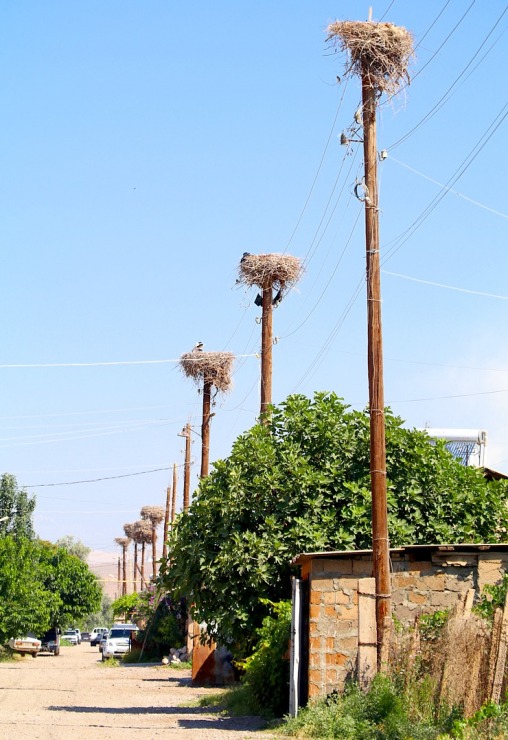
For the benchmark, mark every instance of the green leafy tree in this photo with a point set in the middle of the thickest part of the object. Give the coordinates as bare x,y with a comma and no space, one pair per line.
74,546
77,587
42,585
101,618
16,509
301,482
26,604
126,606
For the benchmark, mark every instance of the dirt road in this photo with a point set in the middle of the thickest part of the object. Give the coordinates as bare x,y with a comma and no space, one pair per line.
75,696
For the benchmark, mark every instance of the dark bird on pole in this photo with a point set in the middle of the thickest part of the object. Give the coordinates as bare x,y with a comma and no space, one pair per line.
258,300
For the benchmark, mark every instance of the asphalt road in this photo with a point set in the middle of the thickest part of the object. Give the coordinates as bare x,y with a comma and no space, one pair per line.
74,695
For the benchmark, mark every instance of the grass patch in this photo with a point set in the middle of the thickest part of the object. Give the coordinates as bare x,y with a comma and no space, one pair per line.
110,663
184,665
133,656
382,713
66,643
236,702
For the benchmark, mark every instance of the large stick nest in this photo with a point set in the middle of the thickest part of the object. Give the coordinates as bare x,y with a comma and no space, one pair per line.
209,367
142,532
280,271
122,541
383,48
153,514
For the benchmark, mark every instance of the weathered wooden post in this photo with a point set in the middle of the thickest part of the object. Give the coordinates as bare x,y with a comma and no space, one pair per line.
268,272
379,54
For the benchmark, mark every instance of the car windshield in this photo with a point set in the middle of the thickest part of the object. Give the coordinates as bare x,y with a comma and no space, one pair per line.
120,633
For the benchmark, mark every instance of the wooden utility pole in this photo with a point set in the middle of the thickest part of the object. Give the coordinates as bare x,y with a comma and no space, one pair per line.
266,348
380,542
186,478
135,568
119,579
124,570
205,428
166,523
173,502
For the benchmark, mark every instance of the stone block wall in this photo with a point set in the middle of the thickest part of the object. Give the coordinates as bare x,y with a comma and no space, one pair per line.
421,583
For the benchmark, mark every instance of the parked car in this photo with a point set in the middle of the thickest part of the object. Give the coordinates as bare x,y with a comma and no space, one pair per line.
85,636
70,636
118,641
78,635
50,641
96,634
102,641
29,644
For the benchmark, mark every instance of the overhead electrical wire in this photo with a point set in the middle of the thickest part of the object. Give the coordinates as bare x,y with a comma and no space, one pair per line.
461,169
448,287
450,190
444,98
102,364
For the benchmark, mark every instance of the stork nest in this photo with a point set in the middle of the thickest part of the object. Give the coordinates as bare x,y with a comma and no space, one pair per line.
129,530
142,532
385,49
122,541
209,367
280,271
153,514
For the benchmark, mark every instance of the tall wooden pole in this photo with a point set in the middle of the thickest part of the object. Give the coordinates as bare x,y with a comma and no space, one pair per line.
173,501
124,570
154,551
205,429
143,580
166,523
380,543
135,575
186,478
266,348
119,579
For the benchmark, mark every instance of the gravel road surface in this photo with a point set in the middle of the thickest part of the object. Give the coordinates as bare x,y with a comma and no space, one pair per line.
75,696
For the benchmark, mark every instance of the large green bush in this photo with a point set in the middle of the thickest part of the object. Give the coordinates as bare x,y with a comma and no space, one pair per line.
301,483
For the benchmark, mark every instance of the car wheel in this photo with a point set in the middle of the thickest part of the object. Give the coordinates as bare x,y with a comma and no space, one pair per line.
34,655
103,658
57,651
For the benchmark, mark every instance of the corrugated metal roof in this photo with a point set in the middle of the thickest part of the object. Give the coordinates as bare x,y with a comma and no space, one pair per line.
461,547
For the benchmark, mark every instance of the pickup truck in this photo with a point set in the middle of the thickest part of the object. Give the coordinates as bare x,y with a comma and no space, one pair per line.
50,641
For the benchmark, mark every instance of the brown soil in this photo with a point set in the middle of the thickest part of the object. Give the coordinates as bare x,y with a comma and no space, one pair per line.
75,695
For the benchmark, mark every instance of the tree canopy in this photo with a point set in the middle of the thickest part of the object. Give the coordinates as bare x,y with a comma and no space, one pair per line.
41,586
301,482
74,546
16,509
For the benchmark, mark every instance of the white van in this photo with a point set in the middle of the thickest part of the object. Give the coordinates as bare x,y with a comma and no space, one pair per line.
118,641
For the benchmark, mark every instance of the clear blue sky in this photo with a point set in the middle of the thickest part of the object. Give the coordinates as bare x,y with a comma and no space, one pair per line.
147,145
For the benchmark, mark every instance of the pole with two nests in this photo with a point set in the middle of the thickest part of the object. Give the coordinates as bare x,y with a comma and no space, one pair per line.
154,515
129,530
379,54
142,535
268,272
211,371
124,544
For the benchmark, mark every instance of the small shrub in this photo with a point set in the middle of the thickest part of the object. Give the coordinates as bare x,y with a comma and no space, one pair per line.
493,596
266,677
382,713
110,663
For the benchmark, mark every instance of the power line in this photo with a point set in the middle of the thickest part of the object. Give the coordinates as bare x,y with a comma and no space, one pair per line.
461,169
104,364
450,190
448,287
97,480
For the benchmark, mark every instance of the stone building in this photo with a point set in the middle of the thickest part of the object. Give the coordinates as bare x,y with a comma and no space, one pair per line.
337,617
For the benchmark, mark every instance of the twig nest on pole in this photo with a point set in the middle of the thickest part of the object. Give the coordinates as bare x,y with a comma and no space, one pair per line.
383,48
280,271
122,541
153,514
209,367
142,532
